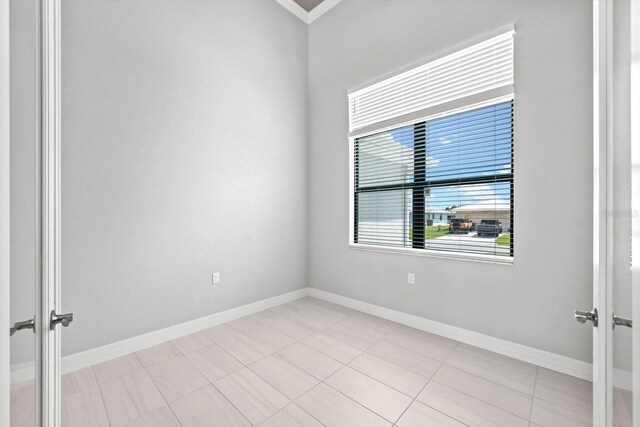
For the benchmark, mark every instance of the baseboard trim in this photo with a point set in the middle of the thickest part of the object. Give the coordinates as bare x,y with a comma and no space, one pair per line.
25,371
545,359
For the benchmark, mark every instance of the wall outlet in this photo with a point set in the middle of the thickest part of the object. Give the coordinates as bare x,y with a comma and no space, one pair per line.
411,279
215,278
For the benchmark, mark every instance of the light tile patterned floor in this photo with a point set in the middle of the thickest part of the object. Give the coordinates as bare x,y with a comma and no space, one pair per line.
312,363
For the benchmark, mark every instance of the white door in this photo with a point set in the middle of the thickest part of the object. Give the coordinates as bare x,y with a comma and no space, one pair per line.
20,395
30,214
634,136
616,230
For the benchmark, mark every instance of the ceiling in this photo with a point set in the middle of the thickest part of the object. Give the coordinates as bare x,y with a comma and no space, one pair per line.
308,4
307,10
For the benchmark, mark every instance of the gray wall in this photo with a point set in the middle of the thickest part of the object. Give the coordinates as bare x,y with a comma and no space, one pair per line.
184,153
185,122
184,133
23,45
530,302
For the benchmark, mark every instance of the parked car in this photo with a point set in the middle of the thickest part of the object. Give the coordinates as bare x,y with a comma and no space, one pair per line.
460,225
491,227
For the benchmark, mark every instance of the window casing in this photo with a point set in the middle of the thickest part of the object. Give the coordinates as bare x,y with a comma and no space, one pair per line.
438,180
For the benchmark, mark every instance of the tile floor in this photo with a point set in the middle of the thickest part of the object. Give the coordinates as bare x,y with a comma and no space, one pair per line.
312,363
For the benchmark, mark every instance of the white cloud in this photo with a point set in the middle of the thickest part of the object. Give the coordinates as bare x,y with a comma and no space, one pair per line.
430,162
505,169
474,193
478,190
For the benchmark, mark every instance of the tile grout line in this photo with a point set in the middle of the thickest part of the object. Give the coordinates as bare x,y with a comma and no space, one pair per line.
221,348
329,376
329,315
480,400
347,365
101,396
156,386
387,385
425,386
257,360
348,397
119,376
555,404
476,398
342,342
230,402
315,331
358,403
533,395
294,403
175,415
221,394
157,363
406,349
163,398
122,376
252,339
211,383
312,330
370,409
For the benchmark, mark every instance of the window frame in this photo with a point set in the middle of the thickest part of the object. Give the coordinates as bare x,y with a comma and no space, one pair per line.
424,183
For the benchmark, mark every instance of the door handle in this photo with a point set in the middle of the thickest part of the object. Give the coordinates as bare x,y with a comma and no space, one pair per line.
583,316
64,319
25,324
617,320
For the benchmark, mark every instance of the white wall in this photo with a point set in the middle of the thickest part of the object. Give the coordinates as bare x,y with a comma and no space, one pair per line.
530,302
622,181
184,153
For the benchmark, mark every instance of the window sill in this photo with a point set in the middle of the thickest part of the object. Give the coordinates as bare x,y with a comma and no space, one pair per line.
490,259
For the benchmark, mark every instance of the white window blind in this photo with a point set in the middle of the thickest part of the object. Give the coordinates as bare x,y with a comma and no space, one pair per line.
476,74
443,185
432,157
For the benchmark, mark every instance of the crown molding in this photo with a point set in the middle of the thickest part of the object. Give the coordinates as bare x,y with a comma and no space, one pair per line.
295,8
321,9
308,17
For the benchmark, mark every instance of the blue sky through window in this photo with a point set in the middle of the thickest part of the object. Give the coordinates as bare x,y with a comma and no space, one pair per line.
469,144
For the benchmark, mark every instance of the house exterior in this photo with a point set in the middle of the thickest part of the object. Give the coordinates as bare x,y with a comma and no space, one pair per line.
488,209
434,216
392,223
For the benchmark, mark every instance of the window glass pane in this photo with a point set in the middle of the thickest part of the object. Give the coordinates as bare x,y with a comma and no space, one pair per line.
385,158
445,184
478,218
383,218
469,144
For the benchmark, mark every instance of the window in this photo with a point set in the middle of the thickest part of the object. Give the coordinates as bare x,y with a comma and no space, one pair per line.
441,184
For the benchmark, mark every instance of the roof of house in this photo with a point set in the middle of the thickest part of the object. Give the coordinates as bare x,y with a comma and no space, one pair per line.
384,146
387,148
487,205
438,211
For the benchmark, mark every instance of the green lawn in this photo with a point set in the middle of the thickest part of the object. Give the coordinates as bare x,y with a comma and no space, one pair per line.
432,232
504,240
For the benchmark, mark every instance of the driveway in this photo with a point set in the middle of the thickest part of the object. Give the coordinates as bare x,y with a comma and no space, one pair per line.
470,242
